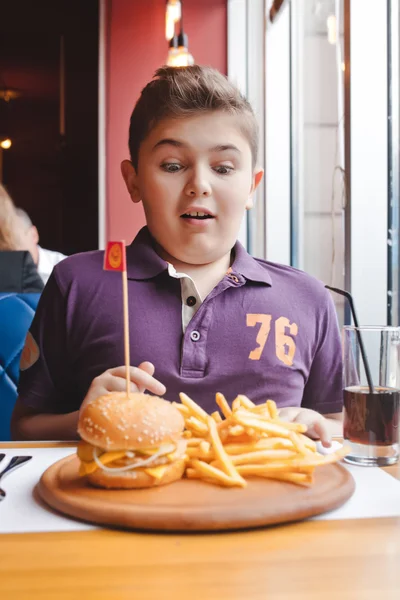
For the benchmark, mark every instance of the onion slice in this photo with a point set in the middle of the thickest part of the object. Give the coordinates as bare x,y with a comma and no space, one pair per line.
162,451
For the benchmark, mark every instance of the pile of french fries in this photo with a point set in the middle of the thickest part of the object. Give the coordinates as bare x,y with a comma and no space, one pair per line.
248,441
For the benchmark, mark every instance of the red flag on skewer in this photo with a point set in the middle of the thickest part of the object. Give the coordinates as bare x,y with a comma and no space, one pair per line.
115,256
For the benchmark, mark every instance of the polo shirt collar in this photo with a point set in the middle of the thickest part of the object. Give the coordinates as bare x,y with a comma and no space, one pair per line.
143,262
249,267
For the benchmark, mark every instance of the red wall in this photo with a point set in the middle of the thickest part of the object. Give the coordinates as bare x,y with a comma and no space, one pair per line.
136,47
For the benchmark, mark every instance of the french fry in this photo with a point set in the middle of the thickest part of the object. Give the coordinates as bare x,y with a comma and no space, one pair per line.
305,479
225,424
251,432
196,452
335,456
309,443
239,439
195,409
236,404
298,427
298,443
192,473
261,456
248,441
223,404
262,409
237,430
262,444
194,441
205,447
274,467
275,444
216,416
245,401
196,425
273,411
260,425
182,409
213,473
221,455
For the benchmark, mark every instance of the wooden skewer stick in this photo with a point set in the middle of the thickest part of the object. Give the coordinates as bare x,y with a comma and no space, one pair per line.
126,331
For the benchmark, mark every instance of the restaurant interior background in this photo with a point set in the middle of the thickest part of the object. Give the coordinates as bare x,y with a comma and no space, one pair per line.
323,78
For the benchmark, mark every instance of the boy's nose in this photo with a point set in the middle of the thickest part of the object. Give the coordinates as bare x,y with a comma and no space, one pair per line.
197,186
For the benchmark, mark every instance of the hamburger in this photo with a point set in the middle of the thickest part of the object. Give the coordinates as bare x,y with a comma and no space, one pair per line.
131,442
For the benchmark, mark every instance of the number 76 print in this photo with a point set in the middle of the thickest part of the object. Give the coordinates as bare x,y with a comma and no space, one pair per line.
285,346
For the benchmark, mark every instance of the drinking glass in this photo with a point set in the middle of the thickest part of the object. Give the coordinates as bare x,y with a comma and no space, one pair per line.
371,394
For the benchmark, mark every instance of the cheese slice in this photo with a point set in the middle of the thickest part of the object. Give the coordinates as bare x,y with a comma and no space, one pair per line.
90,467
85,451
147,451
168,447
156,472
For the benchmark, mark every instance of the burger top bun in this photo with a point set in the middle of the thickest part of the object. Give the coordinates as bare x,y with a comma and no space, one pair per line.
115,422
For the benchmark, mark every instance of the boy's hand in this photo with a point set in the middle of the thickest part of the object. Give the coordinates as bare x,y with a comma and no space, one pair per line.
113,380
318,427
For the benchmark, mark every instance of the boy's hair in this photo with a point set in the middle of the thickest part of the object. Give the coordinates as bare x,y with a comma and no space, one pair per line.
185,92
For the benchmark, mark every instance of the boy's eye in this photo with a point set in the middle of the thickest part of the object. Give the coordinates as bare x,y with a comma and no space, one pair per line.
171,167
223,169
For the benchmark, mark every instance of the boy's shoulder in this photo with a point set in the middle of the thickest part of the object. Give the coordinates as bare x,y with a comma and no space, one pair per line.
84,266
289,279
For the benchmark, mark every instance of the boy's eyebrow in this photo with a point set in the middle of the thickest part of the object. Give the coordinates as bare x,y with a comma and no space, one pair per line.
223,147
178,144
169,142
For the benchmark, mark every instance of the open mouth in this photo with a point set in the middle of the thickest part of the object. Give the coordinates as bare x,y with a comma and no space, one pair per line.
197,215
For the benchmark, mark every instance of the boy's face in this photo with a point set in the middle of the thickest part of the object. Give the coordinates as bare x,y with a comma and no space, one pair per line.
200,164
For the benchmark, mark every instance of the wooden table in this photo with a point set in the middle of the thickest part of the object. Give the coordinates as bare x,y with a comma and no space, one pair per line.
322,560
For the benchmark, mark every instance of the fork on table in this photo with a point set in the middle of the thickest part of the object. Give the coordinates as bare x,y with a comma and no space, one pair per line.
15,462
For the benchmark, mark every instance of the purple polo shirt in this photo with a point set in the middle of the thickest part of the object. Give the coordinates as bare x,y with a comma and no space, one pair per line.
266,331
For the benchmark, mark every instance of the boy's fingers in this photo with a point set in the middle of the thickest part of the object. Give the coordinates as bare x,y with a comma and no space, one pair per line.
322,432
140,378
148,367
288,414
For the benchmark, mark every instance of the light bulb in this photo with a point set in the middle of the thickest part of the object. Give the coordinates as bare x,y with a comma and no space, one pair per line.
179,57
171,57
172,16
6,144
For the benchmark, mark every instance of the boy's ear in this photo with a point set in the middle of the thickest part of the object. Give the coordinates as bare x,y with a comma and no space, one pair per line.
130,177
257,177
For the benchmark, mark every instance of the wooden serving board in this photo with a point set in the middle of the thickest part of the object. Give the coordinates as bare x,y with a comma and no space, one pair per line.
193,505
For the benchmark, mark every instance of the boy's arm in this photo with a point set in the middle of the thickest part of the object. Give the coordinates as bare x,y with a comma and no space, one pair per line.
27,424
322,403
323,391
31,424
45,409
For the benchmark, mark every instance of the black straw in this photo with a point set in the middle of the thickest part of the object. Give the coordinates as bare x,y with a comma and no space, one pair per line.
358,333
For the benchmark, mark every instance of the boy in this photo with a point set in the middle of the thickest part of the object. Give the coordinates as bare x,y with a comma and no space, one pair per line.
204,315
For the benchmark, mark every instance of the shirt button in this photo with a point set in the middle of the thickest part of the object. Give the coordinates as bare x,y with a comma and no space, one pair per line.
233,277
191,301
195,336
